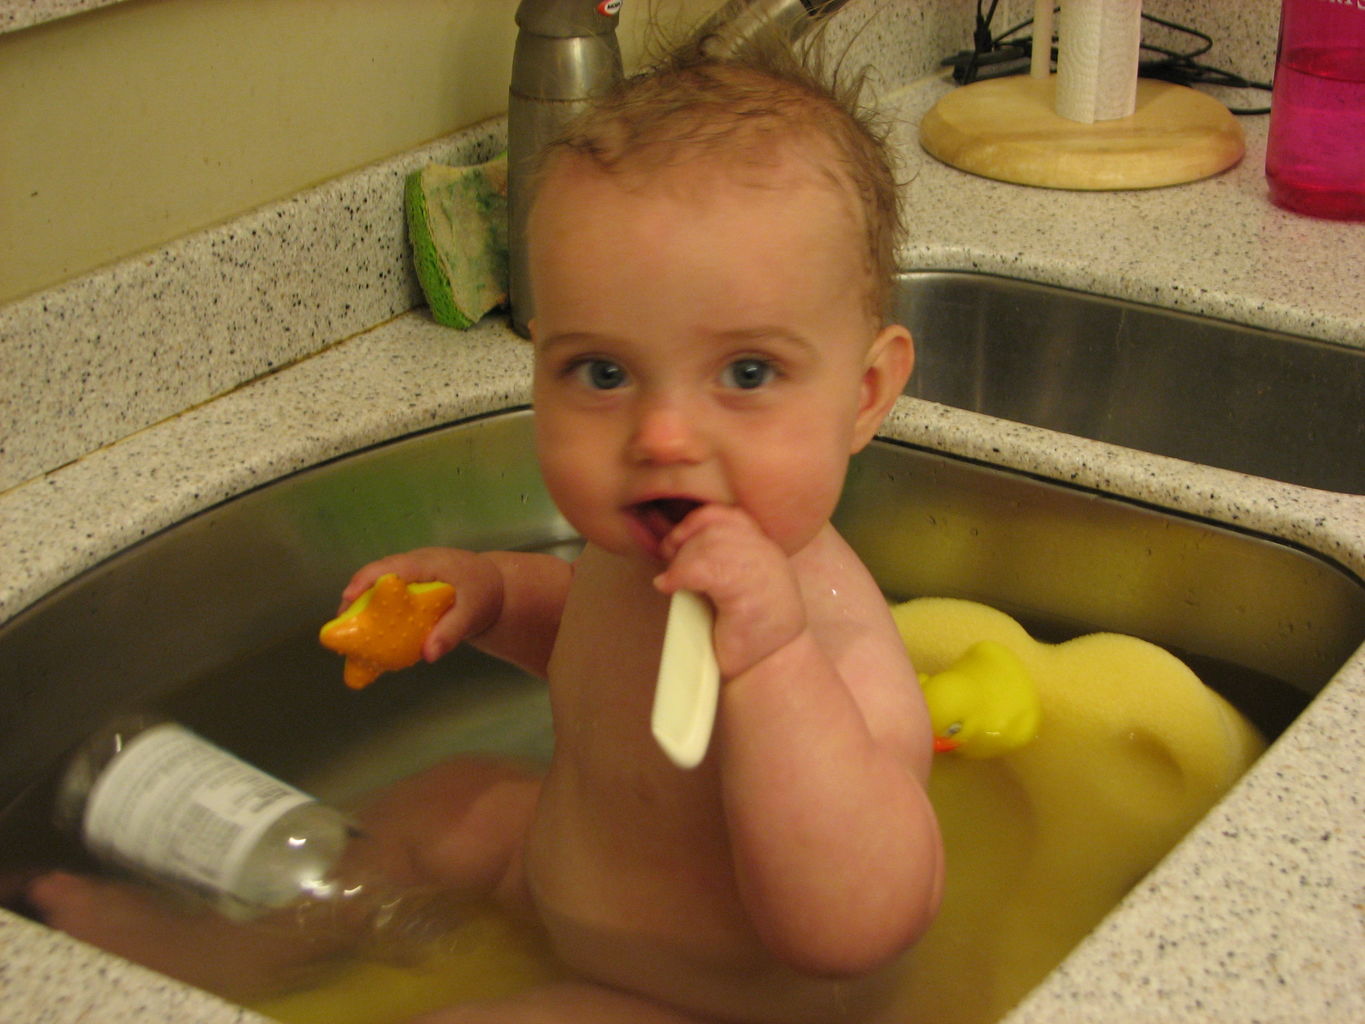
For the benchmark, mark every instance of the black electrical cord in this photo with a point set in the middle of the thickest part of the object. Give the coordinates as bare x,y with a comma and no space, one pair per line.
1000,56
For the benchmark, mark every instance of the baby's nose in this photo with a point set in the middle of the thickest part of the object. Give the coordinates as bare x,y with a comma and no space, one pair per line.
666,433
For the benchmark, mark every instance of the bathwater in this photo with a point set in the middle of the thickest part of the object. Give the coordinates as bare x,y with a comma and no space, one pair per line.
355,742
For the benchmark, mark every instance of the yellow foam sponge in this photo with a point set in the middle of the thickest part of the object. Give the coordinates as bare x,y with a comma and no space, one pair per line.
1043,841
383,629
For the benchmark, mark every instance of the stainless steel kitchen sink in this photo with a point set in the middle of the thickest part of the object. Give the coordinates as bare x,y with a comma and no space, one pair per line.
1199,389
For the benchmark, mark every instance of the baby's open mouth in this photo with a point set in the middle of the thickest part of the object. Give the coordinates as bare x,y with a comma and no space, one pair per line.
662,514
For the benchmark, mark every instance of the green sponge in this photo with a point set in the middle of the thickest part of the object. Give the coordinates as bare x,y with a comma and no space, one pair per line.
457,225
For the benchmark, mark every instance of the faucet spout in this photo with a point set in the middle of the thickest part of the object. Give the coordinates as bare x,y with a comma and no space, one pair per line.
566,53
741,21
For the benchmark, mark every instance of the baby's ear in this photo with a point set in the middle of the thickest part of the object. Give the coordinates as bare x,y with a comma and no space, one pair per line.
888,366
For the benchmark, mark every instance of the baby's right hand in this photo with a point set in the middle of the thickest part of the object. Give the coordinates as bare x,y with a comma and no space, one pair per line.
477,583
720,551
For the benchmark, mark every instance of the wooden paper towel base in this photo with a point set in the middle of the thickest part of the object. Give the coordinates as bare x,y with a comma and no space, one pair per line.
1006,129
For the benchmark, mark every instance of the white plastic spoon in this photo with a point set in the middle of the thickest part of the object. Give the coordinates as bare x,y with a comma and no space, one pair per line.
689,681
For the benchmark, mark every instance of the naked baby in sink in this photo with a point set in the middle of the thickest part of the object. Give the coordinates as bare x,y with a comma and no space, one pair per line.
711,253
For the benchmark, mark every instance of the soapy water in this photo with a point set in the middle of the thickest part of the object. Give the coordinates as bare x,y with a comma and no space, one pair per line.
471,703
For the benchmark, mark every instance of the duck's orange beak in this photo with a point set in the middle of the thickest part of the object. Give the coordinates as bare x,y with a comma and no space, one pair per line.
943,744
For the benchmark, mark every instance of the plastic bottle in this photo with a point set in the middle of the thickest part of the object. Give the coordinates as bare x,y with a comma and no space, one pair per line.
151,797
1315,157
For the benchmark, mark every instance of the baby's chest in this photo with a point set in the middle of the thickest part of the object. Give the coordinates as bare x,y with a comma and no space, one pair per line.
606,653
611,793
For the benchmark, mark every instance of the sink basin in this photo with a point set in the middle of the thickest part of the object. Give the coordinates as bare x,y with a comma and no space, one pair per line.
1199,389
215,620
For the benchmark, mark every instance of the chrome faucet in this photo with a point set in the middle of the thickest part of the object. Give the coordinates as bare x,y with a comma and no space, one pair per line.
566,53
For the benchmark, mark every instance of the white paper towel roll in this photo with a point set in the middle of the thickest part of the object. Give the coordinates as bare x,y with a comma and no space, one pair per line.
1097,58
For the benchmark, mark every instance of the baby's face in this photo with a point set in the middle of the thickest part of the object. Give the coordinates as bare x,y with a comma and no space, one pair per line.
698,340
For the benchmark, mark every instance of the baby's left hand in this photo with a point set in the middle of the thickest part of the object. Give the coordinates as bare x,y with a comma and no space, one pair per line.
720,551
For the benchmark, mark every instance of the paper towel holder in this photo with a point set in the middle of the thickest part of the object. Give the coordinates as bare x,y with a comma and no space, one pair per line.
1008,129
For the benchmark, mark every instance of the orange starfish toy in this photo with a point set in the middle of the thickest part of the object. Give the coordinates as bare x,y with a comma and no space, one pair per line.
384,627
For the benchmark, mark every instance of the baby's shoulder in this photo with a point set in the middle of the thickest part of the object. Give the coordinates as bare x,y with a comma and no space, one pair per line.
844,606
851,620
829,568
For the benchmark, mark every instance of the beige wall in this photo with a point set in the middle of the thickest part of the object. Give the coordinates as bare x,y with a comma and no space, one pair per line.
128,126
133,124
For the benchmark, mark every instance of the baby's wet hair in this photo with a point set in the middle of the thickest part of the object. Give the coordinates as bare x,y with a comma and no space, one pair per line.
751,109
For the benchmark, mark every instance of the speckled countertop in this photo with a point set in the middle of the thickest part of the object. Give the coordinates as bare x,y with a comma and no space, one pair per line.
19,14
1257,915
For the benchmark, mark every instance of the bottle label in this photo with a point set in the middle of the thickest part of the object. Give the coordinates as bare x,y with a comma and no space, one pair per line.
175,806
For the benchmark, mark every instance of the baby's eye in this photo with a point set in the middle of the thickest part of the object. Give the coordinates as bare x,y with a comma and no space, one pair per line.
600,374
748,373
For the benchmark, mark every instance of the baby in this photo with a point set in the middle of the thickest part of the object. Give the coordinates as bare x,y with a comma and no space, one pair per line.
711,252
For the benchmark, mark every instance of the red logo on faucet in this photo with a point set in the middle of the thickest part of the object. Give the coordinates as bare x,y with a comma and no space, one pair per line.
609,7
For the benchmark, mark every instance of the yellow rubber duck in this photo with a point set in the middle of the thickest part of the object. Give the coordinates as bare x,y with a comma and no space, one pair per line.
984,705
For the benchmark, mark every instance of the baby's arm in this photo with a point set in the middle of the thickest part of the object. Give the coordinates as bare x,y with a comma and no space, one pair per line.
507,603
822,756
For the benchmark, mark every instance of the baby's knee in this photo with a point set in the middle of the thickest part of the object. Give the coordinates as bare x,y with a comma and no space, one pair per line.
459,824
